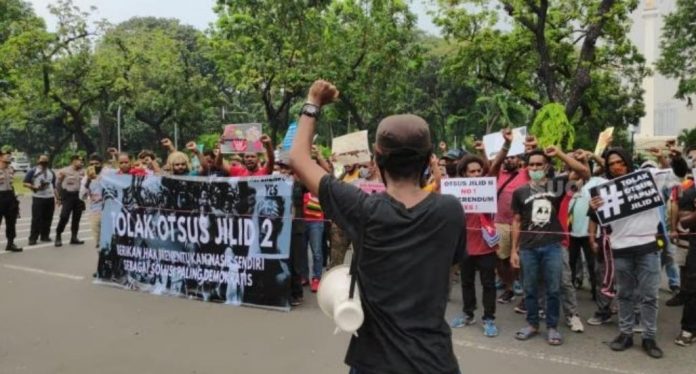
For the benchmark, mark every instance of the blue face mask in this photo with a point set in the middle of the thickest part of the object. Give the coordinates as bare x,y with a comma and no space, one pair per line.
537,175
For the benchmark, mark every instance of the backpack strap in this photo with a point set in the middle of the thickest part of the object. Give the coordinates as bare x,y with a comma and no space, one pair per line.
357,250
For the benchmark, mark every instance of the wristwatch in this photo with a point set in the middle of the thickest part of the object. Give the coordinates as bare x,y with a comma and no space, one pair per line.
310,110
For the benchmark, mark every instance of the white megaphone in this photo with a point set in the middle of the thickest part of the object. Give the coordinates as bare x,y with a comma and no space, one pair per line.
334,301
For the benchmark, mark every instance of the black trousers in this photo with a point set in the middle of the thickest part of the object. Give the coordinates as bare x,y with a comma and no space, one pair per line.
485,264
688,291
72,205
577,244
41,217
9,210
298,256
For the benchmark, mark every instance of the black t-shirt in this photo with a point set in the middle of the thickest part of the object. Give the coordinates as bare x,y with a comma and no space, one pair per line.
686,204
403,277
538,207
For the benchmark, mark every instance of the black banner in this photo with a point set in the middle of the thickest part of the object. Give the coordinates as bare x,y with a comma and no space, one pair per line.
626,196
214,239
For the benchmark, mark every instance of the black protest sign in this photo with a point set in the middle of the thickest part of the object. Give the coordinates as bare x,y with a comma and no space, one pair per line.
627,196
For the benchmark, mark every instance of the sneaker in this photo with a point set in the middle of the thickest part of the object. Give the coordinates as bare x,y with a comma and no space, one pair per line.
684,339
599,319
461,321
621,343
75,240
506,297
314,286
520,308
575,324
489,328
31,242
650,347
499,284
517,288
11,247
296,301
304,281
676,300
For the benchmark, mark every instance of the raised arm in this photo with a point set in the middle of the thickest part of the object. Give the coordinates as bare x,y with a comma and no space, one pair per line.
574,165
309,172
203,165
270,155
500,157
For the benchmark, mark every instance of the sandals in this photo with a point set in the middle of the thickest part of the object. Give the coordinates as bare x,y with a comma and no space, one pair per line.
526,333
554,337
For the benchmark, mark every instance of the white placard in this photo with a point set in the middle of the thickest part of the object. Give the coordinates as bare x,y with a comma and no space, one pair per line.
351,149
493,143
477,195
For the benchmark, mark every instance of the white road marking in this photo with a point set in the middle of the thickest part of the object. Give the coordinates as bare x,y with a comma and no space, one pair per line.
544,357
45,272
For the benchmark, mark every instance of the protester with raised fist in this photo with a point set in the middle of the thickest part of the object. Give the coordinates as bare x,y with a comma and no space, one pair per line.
41,180
405,239
481,245
537,235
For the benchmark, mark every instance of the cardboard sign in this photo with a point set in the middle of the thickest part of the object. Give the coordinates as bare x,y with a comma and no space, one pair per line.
372,187
493,143
351,149
242,138
477,195
627,196
603,140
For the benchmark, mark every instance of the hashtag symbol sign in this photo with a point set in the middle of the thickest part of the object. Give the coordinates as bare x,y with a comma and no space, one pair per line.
613,199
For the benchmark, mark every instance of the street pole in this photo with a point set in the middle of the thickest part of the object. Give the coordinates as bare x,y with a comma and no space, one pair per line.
176,135
118,128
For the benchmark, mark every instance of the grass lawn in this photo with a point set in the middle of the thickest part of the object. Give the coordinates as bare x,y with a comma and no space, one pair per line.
19,186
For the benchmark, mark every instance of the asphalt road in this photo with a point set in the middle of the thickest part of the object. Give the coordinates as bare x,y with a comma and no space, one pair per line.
53,319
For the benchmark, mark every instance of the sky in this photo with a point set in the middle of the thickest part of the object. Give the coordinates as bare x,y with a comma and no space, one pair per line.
192,12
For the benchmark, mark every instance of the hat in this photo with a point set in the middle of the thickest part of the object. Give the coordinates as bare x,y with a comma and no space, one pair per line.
454,154
649,164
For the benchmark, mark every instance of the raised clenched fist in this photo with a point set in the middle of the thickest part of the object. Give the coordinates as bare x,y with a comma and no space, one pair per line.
322,92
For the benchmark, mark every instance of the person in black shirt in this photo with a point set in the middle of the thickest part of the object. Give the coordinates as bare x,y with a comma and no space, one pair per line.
409,237
687,215
536,238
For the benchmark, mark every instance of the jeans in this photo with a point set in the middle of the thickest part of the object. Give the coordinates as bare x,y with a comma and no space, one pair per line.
41,217
570,299
602,301
548,261
671,269
356,371
485,264
637,283
314,233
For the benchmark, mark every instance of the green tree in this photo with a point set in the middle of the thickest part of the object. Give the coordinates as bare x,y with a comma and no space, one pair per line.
678,44
550,51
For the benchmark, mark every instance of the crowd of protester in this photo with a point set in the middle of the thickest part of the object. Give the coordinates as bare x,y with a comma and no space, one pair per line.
535,250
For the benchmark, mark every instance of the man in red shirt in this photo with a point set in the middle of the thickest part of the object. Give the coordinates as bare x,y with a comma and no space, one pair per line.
251,162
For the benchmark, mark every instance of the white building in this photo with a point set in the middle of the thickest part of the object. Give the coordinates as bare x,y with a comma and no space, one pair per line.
665,116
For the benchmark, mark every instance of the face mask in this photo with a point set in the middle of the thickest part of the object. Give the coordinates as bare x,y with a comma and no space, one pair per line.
364,173
690,163
537,175
43,163
276,173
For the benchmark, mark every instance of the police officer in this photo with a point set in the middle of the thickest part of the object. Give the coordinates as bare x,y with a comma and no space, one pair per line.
41,180
68,184
9,206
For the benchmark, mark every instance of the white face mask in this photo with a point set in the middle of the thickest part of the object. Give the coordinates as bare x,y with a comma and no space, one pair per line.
364,173
276,173
690,162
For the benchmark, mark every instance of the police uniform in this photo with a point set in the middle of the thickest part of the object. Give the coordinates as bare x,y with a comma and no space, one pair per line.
43,181
9,207
69,189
